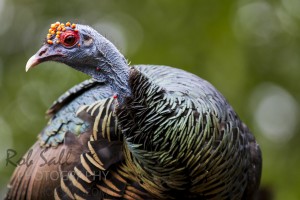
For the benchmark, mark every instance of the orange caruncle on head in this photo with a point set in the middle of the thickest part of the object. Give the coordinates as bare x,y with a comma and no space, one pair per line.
57,30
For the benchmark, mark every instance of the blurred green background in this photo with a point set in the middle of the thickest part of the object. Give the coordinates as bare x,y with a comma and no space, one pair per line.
248,49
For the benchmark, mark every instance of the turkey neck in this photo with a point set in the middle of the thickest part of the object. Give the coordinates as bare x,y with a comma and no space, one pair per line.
117,72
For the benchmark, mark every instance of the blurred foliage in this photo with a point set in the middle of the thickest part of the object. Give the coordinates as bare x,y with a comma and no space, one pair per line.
248,49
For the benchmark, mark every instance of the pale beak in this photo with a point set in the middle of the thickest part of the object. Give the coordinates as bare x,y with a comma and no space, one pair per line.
46,53
33,61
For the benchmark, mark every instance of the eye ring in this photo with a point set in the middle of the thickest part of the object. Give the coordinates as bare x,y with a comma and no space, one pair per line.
69,38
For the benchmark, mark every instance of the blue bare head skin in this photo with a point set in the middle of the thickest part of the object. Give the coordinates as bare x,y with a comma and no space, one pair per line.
84,49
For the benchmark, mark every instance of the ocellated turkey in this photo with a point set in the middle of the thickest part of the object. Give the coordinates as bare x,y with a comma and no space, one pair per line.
156,132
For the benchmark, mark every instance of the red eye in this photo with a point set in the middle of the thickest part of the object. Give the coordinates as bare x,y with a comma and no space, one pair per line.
69,38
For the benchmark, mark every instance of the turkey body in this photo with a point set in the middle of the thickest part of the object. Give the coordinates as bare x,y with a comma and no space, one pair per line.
175,137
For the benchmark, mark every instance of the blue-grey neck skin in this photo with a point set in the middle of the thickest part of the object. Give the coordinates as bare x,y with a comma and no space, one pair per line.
100,59
118,69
